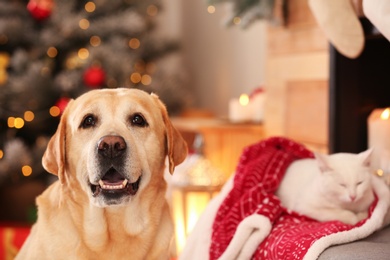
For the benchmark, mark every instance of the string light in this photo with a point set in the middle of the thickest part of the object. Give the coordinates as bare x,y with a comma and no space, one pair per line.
1,154
152,10
95,41
211,9
135,77
83,53
26,170
29,116
11,122
54,111
84,24
52,52
134,43
90,7
18,123
146,80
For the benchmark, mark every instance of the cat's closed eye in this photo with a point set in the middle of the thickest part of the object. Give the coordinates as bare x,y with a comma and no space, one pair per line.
343,185
360,182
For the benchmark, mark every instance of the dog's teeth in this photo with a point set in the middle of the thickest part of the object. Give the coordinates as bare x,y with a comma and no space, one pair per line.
113,187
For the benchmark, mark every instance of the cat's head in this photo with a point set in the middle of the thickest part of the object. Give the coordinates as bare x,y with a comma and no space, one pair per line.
346,176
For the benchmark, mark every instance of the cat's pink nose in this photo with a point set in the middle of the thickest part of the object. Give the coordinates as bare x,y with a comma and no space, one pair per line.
352,197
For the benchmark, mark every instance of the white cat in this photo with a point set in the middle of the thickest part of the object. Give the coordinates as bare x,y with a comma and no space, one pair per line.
329,187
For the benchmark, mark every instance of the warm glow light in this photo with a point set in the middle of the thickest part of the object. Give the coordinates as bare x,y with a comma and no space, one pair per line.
1,154
19,122
237,20
211,9
29,116
244,100
26,170
90,7
179,219
188,205
95,41
146,80
52,52
83,53
198,202
385,114
84,24
11,122
55,111
135,77
152,10
134,43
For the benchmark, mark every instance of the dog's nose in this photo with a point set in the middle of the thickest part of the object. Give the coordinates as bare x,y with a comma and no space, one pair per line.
111,146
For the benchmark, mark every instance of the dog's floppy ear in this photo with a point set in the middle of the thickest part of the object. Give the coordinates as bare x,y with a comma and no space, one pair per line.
176,146
53,159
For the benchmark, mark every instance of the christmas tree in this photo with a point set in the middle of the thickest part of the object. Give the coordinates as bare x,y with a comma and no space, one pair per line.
54,50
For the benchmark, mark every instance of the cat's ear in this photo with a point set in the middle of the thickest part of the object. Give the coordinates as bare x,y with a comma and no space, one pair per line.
323,163
366,157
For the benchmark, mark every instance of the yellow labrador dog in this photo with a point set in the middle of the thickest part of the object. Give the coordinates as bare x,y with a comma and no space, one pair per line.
109,202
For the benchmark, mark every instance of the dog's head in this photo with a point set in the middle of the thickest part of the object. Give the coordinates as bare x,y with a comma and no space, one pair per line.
113,143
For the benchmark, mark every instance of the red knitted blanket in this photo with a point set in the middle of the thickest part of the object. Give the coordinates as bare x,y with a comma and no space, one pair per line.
259,172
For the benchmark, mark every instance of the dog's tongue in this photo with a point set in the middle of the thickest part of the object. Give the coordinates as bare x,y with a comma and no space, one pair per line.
112,177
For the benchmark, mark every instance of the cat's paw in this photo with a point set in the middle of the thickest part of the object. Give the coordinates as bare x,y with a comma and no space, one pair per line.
348,217
362,215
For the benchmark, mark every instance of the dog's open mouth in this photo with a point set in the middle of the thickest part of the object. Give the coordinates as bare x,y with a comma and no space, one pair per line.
114,183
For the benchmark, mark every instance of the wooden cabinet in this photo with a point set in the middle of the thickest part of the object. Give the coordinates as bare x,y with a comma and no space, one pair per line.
223,141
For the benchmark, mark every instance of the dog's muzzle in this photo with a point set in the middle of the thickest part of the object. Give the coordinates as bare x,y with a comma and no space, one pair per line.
111,152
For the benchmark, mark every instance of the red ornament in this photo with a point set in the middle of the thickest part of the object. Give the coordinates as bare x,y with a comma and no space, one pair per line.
62,103
94,77
256,91
40,9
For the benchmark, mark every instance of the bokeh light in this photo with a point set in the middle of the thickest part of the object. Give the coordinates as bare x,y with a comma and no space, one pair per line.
152,10
84,24
146,80
83,53
211,9
90,7
26,170
29,116
95,41
52,52
135,77
55,111
134,43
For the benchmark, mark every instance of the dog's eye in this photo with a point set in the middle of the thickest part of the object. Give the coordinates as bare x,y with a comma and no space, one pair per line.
138,120
88,121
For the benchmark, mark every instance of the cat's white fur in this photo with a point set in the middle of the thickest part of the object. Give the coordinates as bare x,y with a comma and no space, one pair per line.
329,187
